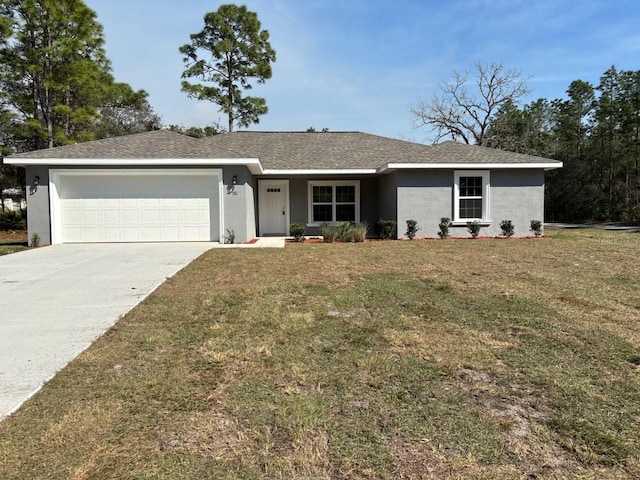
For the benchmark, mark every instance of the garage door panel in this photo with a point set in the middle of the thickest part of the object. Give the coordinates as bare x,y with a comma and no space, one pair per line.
128,216
143,207
170,216
193,216
91,234
111,203
151,216
112,234
152,232
90,216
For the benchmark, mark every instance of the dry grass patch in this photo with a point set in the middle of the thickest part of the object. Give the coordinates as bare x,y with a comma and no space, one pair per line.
12,241
398,360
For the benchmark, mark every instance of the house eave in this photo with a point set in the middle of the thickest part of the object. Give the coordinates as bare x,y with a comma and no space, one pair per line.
322,171
390,167
253,164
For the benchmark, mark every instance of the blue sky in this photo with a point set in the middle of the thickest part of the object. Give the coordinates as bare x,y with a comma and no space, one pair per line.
359,65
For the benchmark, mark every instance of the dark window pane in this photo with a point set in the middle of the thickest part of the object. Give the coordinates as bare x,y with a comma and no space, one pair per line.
345,193
322,213
346,213
323,194
471,208
470,186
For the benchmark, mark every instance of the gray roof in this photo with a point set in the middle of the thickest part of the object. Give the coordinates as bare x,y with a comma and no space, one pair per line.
285,150
155,144
454,152
320,150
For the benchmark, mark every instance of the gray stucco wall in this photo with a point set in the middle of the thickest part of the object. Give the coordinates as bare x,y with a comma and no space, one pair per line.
38,204
388,198
424,196
299,198
239,203
239,214
427,195
516,195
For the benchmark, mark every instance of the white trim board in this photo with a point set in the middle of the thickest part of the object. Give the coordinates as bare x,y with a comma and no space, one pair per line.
389,167
253,164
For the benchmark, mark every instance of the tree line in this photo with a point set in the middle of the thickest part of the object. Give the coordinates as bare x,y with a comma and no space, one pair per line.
595,132
57,87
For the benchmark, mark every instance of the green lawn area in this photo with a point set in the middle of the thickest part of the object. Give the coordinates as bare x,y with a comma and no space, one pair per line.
494,359
7,249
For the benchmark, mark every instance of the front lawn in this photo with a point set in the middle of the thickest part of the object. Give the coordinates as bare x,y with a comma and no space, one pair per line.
12,241
496,359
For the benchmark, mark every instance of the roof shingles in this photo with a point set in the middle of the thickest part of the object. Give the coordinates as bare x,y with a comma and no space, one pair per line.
285,150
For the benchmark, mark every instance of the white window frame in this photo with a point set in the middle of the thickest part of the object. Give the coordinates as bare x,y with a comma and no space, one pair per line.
486,189
333,184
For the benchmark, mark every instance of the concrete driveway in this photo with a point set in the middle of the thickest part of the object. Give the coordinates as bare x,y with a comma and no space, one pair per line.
55,301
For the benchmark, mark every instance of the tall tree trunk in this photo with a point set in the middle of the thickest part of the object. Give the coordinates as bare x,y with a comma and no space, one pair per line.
49,117
230,90
48,94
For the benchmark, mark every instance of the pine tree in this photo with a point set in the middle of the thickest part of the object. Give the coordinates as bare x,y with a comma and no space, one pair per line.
239,51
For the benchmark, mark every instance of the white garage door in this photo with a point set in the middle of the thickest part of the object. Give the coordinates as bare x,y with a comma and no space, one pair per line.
136,206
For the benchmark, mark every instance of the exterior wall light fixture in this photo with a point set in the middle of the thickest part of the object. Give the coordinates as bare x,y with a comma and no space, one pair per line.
34,187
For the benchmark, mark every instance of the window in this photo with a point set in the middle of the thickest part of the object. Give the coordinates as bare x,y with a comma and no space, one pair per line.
332,202
471,196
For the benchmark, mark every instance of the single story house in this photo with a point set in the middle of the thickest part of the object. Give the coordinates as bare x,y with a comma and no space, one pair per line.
163,186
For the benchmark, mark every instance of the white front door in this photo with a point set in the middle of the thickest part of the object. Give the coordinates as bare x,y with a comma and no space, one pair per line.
274,207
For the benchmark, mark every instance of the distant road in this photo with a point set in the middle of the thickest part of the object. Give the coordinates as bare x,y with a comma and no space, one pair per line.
602,226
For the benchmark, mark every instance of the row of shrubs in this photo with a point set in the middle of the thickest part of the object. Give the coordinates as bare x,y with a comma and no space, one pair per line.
346,231
10,220
506,226
385,229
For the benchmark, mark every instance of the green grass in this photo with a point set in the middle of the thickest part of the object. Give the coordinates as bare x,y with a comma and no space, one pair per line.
8,249
425,359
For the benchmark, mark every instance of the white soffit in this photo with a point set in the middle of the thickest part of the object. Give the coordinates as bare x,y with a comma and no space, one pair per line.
467,166
253,164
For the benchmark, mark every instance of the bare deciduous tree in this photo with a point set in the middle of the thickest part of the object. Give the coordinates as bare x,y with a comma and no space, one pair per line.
464,108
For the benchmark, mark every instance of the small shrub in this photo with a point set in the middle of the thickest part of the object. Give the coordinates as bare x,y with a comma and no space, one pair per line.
536,227
230,237
329,233
474,228
35,240
412,229
444,227
360,232
386,229
11,220
296,230
345,231
507,228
